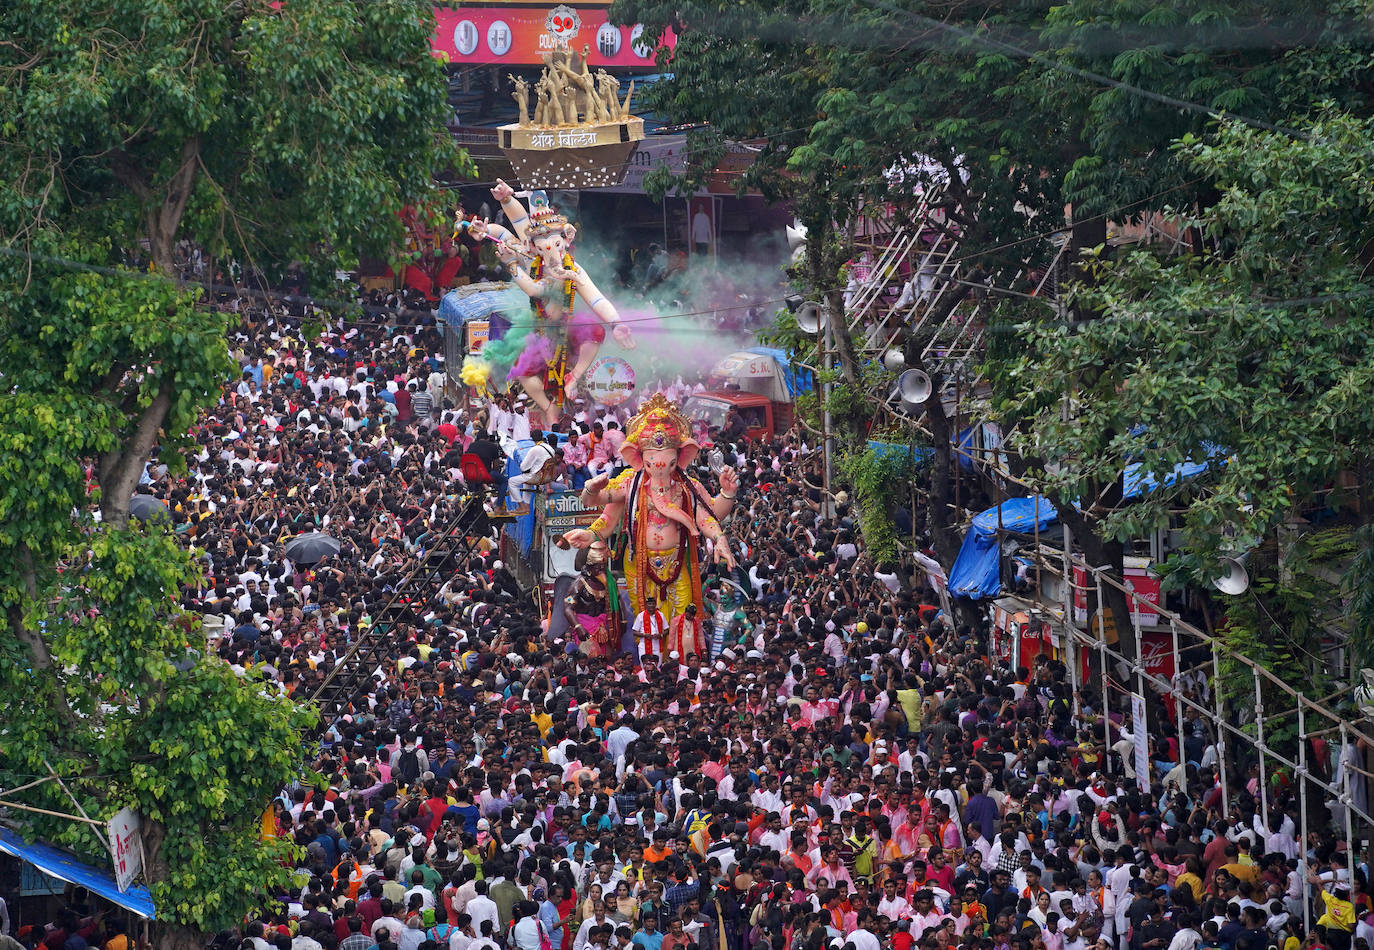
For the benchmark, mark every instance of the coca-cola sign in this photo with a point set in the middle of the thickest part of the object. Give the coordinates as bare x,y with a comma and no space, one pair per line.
1156,651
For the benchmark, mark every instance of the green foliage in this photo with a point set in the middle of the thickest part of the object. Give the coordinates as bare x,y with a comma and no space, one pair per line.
198,751
881,483
1258,353
1279,624
259,132
1357,586
268,132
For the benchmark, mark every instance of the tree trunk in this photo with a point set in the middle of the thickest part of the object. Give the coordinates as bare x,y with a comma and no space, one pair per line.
822,266
942,518
941,484
163,220
165,934
39,654
121,468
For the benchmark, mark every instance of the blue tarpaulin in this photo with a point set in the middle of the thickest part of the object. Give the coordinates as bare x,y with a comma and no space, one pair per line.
918,453
976,573
522,528
965,441
797,378
66,867
1135,483
458,308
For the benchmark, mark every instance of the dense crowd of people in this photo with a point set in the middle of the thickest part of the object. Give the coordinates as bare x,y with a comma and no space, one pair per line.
851,770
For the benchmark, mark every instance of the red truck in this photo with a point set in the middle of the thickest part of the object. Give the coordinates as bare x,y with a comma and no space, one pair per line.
762,417
759,385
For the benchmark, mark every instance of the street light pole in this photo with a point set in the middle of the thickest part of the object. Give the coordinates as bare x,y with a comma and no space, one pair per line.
827,429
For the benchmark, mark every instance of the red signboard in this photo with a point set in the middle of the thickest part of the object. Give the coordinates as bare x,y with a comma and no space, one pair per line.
1156,649
1139,581
519,36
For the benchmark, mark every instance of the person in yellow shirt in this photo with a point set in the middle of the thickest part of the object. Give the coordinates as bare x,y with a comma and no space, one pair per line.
1191,877
1338,916
541,718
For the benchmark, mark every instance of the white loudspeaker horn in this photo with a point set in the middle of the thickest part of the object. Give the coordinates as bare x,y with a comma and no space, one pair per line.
796,237
810,319
1234,578
915,387
893,361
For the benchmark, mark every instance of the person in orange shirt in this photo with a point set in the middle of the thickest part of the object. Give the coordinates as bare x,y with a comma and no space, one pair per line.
798,853
660,850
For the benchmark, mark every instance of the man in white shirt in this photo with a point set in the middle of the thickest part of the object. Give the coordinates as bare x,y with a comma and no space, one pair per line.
392,925
482,908
536,459
892,905
768,796
598,919
863,938
620,737
650,628
775,837
417,886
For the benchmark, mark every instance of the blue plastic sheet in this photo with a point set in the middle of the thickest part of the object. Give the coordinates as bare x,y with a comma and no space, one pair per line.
67,867
457,309
798,379
965,441
905,449
976,573
1135,483
522,528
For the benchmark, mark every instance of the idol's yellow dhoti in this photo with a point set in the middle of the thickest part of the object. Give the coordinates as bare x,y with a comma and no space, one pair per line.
663,580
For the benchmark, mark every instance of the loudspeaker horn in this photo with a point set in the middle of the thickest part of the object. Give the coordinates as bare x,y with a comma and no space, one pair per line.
796,237
915,387
894,360
1234,578
810,318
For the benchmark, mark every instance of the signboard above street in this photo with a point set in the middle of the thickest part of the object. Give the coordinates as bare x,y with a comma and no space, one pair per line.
521,35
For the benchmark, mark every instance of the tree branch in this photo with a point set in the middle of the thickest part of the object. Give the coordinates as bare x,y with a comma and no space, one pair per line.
43,663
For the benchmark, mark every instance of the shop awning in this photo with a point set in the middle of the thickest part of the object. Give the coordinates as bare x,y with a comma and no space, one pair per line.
67,867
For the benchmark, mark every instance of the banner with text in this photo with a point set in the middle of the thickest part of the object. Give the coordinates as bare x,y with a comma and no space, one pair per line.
519,36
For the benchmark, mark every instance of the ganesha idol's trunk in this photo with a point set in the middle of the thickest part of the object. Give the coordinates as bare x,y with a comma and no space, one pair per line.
673,512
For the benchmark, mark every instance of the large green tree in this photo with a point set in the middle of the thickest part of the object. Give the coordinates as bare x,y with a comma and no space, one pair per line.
132,131
1255,355
1019,111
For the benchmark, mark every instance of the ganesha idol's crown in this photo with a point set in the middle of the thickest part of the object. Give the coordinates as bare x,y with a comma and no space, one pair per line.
543,219
658,425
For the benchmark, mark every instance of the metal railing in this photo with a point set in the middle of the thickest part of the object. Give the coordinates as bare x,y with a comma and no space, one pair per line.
1339,789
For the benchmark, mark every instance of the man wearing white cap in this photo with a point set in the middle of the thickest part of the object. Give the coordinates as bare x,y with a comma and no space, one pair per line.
879,757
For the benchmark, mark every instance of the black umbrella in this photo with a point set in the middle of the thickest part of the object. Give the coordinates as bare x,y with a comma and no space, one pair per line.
312,547
148,508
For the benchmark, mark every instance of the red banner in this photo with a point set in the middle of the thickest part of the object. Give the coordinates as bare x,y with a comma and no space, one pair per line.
519,36
1156,649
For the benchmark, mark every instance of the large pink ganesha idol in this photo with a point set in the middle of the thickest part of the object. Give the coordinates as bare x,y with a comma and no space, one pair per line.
662,512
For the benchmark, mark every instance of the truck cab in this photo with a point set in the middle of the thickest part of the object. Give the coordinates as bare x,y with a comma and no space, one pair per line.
758,385
762,418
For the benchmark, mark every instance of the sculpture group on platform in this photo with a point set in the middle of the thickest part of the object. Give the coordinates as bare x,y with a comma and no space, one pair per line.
658,514
569,93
